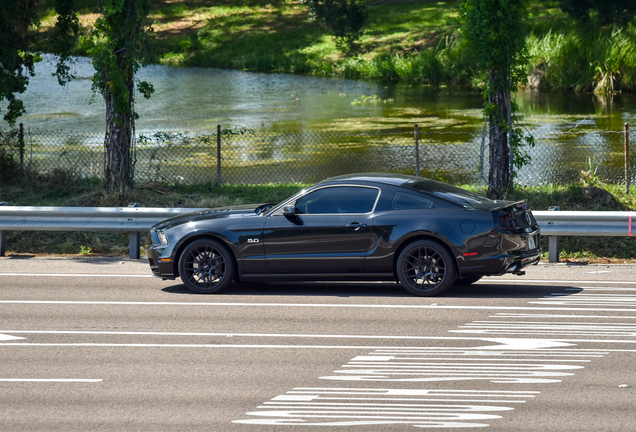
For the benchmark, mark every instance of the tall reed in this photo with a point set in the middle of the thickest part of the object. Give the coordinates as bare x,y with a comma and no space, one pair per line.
584,59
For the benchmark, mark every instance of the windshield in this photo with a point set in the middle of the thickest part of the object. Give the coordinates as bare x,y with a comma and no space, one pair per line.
278,206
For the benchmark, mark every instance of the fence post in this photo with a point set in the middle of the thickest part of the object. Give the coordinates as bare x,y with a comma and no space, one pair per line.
218,155
627,175
417,151
21,146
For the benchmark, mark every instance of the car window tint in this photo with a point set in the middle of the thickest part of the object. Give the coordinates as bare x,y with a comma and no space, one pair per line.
404,201
447,192
338,199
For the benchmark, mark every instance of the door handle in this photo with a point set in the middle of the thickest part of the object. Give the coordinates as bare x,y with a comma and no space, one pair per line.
355,226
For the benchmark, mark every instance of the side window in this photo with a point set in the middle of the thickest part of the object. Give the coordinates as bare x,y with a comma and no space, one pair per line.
338,199
404,201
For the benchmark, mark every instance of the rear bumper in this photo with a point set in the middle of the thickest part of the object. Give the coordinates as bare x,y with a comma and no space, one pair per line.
500,264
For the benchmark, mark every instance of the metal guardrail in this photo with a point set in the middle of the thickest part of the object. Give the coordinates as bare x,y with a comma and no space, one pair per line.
555,223
134,219
131,219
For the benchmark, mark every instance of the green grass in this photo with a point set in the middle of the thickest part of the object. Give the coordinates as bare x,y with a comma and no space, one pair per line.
415,42
60,190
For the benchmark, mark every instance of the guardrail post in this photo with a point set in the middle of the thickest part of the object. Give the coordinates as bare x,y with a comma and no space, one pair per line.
627,174
134,244
554,243
3,236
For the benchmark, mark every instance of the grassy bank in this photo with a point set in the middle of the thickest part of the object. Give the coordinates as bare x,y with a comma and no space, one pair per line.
58,190
414,42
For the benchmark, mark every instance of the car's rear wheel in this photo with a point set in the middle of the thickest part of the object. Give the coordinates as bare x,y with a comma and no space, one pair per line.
206,266
425,268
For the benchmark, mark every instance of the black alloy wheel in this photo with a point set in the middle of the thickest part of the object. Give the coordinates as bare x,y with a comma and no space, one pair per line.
425,268
206,266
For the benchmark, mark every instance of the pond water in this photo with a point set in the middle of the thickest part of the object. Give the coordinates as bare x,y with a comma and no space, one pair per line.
198,99
568,127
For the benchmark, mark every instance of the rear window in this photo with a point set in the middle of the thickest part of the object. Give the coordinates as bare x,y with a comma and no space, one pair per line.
447,192
404,201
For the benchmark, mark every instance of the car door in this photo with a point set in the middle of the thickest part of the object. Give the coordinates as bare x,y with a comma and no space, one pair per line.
328,231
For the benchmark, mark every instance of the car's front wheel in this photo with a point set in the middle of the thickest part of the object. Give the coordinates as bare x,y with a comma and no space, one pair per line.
206,266
425,268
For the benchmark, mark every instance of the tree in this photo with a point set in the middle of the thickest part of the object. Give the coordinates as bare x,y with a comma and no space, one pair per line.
495,30
117,52
608,11
119,35
344,18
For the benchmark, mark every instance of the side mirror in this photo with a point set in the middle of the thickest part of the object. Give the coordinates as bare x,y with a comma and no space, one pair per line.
289,210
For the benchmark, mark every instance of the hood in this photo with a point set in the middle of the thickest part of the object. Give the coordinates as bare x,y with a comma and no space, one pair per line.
220,212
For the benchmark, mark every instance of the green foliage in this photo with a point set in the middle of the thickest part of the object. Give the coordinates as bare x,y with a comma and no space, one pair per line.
497,30
371,100
9,167
64,36
345,19
590,176
607,11
584,59
17,58
520,143
118,51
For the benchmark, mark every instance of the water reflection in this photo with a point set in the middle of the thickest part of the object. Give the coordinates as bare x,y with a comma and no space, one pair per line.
289,108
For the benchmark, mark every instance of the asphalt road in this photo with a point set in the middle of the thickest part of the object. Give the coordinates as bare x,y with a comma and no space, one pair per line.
99,345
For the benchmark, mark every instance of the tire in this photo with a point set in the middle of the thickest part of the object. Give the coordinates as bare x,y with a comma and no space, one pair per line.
425,268
469,280
206,266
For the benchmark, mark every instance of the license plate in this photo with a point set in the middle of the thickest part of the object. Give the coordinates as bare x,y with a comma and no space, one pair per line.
532,241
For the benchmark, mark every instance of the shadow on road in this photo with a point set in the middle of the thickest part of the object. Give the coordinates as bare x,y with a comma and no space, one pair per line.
385,289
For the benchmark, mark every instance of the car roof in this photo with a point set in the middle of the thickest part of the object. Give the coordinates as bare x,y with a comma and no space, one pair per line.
435,188
393,179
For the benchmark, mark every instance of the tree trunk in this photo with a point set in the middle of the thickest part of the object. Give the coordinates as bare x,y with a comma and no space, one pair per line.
499,177
118,139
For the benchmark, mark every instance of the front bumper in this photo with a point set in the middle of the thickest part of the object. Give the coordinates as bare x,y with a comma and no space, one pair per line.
161,267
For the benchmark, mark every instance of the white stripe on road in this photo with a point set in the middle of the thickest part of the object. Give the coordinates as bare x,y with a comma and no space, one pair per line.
47,380
315,305
76,275
484,281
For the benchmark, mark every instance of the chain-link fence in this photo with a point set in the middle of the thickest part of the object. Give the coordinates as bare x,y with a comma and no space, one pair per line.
241,156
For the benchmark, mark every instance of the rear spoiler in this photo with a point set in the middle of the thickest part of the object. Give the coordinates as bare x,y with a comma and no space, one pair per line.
509,204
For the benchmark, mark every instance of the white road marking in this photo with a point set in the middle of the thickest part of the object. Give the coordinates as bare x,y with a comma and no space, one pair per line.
315,305
502,343
423,407
522,281
4,337
94,275
51,380
510,361
484,281
307,406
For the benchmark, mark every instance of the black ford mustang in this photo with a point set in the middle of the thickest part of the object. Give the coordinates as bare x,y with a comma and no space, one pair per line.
425,234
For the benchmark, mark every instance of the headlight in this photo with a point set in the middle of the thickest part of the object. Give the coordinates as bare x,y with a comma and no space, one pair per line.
162,237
